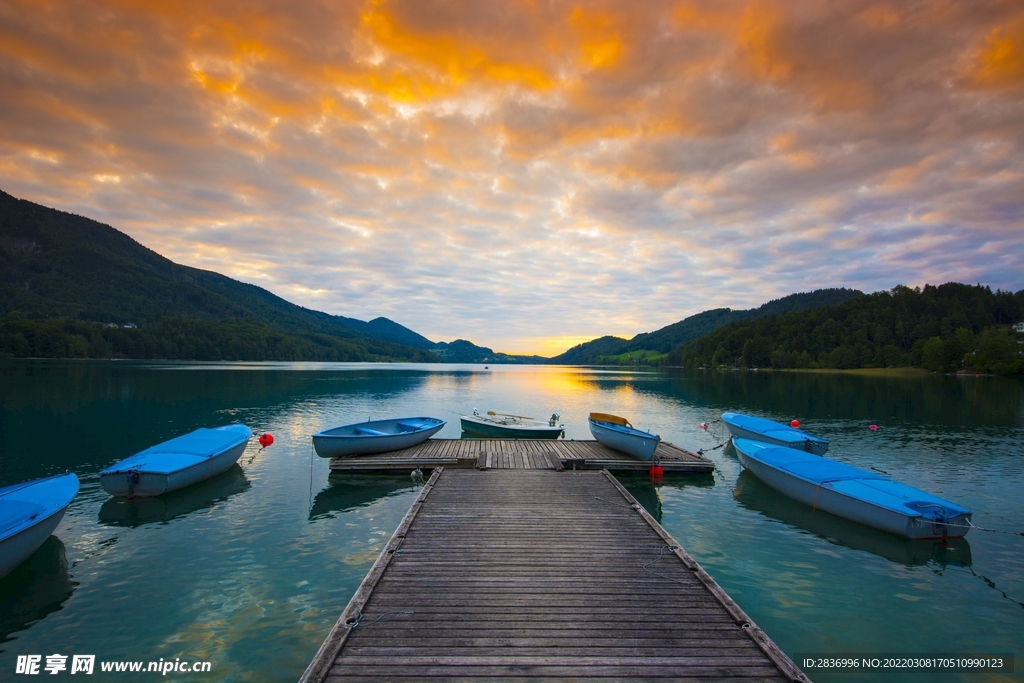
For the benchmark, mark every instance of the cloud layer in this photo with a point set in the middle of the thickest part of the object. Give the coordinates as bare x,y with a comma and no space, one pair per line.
530,175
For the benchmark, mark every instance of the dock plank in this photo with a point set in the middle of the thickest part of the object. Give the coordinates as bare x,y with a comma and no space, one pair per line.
481,581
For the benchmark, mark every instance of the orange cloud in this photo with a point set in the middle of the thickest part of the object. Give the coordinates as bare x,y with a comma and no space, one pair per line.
1000,62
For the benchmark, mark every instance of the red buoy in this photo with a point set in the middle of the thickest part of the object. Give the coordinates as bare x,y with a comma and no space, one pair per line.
266,439
873,427
794,424
657,474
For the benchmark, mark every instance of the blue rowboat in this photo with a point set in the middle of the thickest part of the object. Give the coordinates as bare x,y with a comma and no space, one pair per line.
759,429
177,463
617,433
852,493
29,512
503,426
376,436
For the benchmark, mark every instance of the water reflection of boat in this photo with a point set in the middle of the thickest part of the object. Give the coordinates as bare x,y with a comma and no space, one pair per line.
350,491
38,586
755,495
137,511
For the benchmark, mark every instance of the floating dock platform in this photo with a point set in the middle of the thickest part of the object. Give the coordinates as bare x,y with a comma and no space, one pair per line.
515,575
524,454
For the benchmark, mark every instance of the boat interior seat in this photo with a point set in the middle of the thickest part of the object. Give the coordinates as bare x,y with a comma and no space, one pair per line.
406,427
369,432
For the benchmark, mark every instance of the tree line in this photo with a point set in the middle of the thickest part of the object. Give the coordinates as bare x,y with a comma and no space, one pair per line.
188,338
946,328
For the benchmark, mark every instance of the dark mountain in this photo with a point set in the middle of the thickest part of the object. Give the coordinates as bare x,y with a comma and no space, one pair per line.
696,326
389,330
462,351
945,328
591,351
63,268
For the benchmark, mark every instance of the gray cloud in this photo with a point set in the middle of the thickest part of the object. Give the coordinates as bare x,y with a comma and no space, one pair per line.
529,176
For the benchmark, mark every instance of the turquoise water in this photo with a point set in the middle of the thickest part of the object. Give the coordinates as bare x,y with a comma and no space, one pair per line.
250,570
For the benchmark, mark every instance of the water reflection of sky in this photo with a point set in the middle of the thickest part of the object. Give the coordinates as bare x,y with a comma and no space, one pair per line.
252,570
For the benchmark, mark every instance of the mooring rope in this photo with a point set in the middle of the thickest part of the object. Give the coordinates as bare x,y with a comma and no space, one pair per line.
702,451
662,576
354,623
972,525
612,502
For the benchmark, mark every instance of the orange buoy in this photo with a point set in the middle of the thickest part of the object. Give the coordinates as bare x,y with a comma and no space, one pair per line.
266,439
794,424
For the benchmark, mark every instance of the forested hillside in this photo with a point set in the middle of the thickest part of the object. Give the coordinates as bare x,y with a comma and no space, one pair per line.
695,326
946,328
64,277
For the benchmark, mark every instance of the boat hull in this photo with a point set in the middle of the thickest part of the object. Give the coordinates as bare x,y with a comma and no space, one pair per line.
498,431
640,445
49,499
830,496
344,441
162,469
759,429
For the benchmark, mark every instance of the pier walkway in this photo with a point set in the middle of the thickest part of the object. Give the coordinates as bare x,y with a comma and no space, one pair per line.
520,454
526,575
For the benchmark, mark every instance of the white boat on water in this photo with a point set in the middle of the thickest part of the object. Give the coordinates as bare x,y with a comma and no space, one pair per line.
375,436
504,426
852,493
616,432
177,463
29,512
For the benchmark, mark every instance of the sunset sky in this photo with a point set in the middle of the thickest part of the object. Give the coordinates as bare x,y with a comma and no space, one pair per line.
531,175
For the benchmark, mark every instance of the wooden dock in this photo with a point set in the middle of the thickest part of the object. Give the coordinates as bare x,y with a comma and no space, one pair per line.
520,575
523,454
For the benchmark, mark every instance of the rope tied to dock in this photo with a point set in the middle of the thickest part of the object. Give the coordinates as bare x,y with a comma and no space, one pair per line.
355,622
634,506
658,559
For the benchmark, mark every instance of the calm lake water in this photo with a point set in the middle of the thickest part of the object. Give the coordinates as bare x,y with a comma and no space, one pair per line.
250,570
